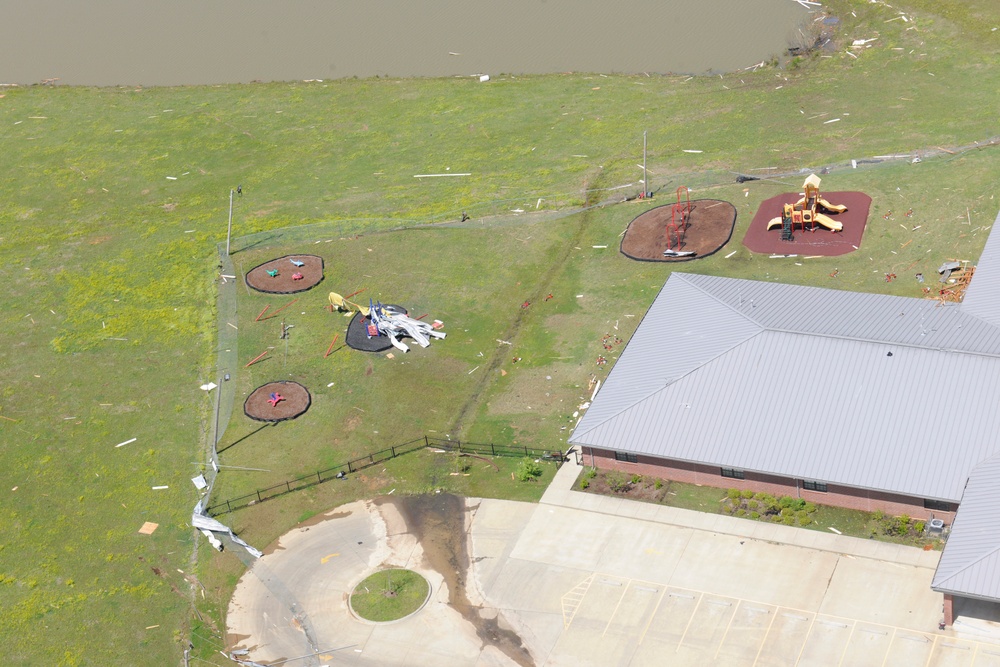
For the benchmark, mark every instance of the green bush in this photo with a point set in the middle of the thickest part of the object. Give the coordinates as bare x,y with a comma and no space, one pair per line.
591,473
584,483
658,484
617,481
746,494
636,478
918,527
809,507
755,515
787,511
741,512
788,520
527,470
733,494
753,505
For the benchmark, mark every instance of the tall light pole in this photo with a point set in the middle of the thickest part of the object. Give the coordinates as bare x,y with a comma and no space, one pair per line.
645,183
229,231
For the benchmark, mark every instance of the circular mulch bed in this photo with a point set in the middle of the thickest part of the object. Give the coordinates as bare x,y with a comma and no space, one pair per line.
297,400
709,228
357,334
285,283
820,241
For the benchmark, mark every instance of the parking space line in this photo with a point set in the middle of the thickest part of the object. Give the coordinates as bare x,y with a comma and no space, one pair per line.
763,642
663,592
688,626
805,640
847,644
728,625
889,650
930,654
622,597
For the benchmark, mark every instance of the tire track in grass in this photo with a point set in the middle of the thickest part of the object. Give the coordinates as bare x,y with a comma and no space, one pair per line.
542,287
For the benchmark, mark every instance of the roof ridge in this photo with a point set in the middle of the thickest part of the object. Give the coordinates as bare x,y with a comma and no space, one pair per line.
660,388
684,276
968,565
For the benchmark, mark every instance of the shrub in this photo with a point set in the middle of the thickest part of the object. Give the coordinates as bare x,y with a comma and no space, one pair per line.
746,494
636,478
527,470
805,520
787,511
584,483
753,505
918,527
658,484
741,512
755,515
788,520
617,481
591,473
733,494
809,507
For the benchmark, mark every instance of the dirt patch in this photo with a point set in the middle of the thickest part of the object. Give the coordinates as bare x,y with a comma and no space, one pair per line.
438,523
633,487
821,241
288,277
295,401
710,226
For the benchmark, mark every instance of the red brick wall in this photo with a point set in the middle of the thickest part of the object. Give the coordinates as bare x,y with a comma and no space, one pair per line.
696,473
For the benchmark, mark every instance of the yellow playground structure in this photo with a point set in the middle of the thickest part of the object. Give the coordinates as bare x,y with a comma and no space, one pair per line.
805,213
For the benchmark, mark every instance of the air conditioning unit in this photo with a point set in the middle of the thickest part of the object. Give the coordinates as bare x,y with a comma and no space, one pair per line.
935,525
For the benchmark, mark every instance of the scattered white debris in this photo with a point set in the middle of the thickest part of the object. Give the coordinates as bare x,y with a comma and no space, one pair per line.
208,387
731,254
127,442
160,488
834,530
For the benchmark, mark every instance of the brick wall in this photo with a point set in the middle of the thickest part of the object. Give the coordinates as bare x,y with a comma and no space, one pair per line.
836,495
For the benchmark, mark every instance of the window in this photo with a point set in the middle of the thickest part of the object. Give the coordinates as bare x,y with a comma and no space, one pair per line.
733,473
814,486
627,457
937,505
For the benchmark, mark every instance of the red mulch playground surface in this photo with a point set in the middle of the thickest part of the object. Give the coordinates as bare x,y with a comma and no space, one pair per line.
296,401
286,282
820,241
709,228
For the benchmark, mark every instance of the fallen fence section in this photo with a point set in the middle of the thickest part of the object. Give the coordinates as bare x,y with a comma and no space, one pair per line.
374,458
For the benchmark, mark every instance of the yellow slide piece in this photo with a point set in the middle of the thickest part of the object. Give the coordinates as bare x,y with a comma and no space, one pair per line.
829,222
832,208
774,222
340,303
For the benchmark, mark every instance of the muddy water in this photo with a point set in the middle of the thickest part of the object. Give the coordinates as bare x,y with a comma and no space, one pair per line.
438,523
112,42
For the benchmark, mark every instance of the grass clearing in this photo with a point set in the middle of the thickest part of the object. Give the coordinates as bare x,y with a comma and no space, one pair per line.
110,280
389,595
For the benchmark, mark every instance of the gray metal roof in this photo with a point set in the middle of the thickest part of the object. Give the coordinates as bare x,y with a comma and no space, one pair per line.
970,564
982,298
799,381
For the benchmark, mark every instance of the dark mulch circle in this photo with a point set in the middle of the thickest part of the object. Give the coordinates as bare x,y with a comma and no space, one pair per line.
283,283
357,334
709,228
820,241
297,400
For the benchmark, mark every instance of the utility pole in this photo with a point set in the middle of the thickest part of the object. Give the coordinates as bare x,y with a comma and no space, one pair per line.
645,182
229,231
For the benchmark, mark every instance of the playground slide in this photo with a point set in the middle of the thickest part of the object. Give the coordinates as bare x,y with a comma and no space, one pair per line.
832,208
824,204
774,222
828,222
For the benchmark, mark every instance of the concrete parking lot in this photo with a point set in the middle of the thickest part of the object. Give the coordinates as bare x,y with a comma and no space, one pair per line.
584,580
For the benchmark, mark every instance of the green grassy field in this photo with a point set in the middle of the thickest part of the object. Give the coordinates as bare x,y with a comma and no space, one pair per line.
114,200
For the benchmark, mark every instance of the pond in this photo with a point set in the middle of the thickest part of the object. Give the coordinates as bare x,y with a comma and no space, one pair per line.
124,42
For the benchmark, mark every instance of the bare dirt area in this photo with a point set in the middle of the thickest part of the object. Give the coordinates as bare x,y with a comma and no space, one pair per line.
286,275
262,405
709,228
